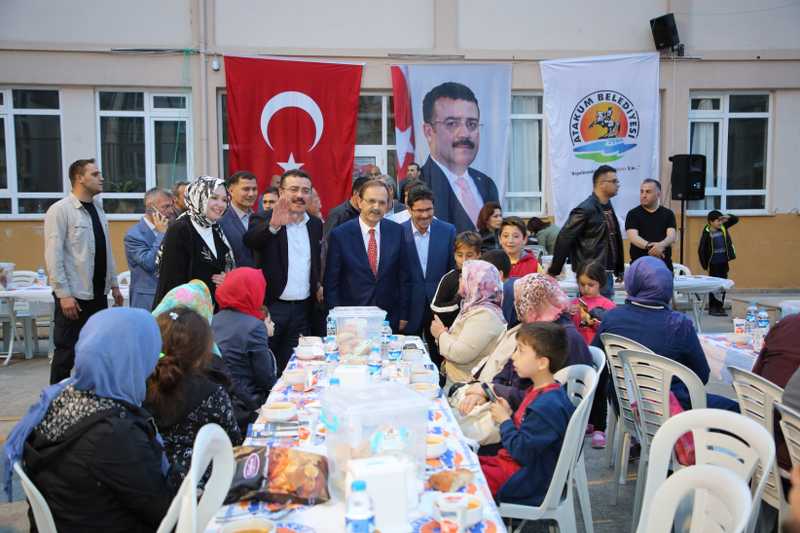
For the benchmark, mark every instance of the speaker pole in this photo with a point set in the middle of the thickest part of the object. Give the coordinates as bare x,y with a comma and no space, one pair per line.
683,224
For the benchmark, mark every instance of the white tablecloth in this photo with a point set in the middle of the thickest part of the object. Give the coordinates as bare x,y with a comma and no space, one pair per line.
44,294
721,352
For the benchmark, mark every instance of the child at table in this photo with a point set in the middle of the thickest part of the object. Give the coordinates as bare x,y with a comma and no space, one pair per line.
716,252
532,434
446,302
590,306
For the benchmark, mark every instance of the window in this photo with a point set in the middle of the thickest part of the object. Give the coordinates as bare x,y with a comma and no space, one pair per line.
144,142
731,131
524,195
31,169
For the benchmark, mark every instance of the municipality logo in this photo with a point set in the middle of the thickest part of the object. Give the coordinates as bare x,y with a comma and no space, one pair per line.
602,126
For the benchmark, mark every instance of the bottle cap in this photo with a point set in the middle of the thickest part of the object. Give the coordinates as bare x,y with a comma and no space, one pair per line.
335,381
359,485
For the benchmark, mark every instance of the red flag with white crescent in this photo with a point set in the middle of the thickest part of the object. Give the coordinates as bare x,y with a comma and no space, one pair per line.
285,115
403,121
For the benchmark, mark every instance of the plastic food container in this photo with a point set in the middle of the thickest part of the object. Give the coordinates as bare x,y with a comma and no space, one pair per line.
357,328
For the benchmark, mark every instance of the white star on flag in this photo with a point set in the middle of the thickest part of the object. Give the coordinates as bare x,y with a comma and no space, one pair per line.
291,164
403,144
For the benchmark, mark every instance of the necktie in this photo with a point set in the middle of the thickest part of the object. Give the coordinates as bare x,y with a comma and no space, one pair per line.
372,252
468,199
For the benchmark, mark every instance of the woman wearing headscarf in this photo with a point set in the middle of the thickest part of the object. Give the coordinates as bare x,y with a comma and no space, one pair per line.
646,318
195,246
478,325
241,333
180,393
88,445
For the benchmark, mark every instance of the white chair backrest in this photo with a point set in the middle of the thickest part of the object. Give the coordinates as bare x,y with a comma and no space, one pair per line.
721,438
41,511
584,381
680,270
211,445
790,426
598,358
721,501
613,344
757,398
124,278
577,380
648,379
23,278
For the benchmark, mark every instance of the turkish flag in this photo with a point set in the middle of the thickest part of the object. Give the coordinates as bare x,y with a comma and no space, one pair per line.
285,114
403,122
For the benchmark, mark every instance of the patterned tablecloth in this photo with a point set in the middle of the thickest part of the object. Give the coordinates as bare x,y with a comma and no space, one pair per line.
329,517
722,351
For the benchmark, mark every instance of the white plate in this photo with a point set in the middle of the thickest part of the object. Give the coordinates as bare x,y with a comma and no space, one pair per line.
278,411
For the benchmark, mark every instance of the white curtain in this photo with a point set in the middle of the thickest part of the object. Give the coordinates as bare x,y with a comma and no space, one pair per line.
704,142
524,172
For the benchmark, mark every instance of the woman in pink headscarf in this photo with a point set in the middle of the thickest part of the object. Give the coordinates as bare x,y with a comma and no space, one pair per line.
477,327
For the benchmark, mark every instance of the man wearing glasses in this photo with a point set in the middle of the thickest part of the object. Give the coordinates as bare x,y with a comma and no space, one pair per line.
287,245
452,127
592,232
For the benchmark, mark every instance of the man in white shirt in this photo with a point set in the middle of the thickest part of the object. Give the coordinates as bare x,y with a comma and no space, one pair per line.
243,189
287,241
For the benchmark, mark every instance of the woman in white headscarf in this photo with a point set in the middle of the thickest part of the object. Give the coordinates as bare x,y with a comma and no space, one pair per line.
195,246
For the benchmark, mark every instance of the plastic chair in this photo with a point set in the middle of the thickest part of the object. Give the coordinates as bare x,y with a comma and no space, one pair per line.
578,385
622,426
41,511
790,426
757,398
721,438
598,358
211,445
558,502
721,501
124,278
677,298
649,378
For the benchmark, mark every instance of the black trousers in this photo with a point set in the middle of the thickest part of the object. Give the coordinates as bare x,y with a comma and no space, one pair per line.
292,320
718,270
65,335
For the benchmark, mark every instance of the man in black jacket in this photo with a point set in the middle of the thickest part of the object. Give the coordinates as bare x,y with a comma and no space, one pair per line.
287,242
716,252
592,232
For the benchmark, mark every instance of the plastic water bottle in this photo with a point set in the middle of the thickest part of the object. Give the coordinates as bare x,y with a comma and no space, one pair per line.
375,363
331,326
762,320
359,517
395,350
750,319
41,277
386,333
331,349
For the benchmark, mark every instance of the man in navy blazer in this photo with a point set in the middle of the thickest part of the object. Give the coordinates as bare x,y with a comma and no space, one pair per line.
451,124
243,189
142,242
430,245
366,262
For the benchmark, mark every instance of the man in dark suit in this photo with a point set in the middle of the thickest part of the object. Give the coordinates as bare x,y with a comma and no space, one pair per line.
243,189
366,263
430,245
287,242
451,124
141,246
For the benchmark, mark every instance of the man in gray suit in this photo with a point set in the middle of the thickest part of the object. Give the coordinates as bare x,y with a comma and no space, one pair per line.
141,246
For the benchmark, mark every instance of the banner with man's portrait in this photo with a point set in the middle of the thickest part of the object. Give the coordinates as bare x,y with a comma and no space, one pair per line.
460,116
601,111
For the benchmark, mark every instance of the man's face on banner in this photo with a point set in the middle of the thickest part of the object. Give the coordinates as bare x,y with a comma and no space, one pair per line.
454,136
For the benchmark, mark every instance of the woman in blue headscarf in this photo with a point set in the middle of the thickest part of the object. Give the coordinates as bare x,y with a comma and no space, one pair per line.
648,319
88,445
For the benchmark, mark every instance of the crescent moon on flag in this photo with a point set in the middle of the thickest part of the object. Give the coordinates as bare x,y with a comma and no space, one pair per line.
292,99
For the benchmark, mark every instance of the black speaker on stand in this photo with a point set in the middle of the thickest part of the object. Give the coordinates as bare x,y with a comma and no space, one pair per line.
688,183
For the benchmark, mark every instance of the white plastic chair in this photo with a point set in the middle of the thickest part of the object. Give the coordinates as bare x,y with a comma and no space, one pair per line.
211,445
41,511
649,378
721,438
757,398
721,501
124,278
598,358
579,384
558,502
790,427
623,426
677,298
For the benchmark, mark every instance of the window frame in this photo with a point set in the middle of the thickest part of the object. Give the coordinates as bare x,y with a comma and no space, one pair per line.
151,115
723,116
542,193
7,113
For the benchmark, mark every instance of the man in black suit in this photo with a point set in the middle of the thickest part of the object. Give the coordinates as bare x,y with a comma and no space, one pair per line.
287,240
451,124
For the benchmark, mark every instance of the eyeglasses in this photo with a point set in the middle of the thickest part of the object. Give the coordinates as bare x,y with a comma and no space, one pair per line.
422,211
452,124
295,189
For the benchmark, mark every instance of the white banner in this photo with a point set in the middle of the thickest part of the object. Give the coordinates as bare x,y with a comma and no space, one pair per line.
601,110
491,86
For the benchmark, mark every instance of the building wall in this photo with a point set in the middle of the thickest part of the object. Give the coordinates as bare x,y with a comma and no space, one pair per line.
83,45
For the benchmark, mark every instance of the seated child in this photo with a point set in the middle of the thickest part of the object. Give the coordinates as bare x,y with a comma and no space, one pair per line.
590,306
533,433
446,302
